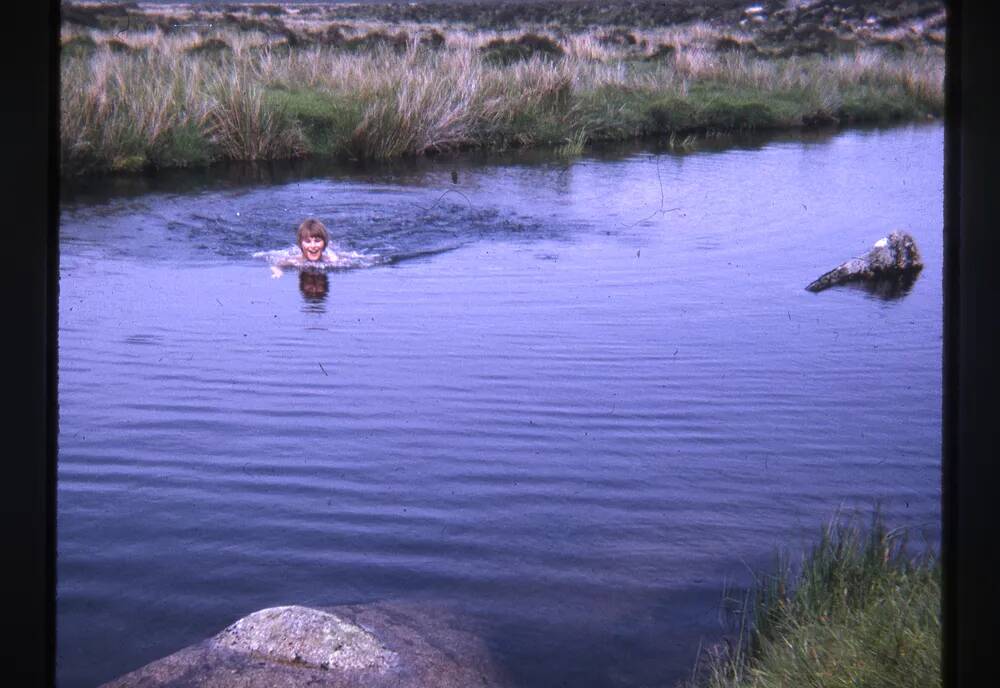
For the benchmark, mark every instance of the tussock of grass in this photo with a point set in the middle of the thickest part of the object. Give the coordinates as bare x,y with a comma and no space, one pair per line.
78,46
505,52
117,46
113,124
618,36
183,145
434,39
242,125
664,51
715,106
862,611
209,46
427,110
327,122
732,44
574,145
612,113
375,41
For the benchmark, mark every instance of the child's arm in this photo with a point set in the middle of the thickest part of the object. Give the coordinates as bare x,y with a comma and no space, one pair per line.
276,270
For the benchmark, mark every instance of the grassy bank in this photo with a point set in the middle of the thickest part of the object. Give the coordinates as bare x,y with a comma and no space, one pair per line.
178,92
861,612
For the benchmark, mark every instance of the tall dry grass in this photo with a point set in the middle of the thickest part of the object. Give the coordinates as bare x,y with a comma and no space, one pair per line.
190,97
113,114
428,105
242,126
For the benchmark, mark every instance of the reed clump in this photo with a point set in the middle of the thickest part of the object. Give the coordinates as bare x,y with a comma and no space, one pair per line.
242,126
862,610
263,86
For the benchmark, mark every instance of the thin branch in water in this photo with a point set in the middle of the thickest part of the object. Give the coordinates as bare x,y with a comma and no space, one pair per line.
659,180
659,211
435,203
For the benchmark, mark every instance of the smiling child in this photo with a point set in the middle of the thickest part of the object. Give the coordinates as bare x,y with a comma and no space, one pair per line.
313,240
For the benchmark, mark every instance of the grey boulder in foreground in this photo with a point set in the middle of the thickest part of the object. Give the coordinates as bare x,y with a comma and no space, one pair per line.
893,256
365,646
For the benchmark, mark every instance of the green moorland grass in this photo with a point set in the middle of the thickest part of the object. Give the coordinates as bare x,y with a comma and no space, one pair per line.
151,100
862,611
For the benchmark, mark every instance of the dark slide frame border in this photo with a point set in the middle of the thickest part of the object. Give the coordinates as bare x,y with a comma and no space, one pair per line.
971,430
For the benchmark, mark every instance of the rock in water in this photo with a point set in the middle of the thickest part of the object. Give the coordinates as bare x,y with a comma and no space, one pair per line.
388,645
893,255
311,637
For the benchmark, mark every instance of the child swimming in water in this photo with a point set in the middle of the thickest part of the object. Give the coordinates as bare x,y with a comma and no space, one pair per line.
312,239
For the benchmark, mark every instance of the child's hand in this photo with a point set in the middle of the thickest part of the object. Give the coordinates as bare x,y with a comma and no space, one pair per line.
275,272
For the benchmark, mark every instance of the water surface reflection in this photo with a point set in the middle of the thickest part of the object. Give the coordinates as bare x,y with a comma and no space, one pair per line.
559,406
314,285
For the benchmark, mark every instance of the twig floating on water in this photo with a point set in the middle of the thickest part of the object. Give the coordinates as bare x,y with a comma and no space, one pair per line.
660,210
447,191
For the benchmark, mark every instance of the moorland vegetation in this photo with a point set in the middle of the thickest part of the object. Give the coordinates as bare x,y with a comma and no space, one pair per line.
162,85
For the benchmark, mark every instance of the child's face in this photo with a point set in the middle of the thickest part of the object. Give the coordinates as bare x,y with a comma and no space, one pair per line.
312,247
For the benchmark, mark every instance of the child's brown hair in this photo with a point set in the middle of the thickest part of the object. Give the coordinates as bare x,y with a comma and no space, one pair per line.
312,227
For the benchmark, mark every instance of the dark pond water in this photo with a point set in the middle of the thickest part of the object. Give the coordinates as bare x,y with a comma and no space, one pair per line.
569,401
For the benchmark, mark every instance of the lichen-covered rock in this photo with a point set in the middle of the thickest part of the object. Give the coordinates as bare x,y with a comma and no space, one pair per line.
363,646
895,254
314,638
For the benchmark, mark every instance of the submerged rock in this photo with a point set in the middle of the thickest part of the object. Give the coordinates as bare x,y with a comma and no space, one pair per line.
893,256
366,646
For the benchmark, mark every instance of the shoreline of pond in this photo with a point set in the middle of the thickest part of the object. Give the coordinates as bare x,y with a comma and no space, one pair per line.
860,591
680,123
276,171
